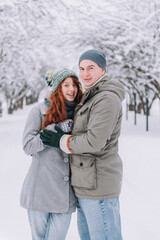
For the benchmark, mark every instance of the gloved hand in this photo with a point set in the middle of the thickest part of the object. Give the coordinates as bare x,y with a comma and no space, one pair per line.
50,138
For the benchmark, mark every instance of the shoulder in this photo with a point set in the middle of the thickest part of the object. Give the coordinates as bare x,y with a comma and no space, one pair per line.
106,100
105,95
40,107
43,107
38,111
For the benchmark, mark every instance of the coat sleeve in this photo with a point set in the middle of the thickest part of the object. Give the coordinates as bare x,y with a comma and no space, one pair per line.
103,118
31,138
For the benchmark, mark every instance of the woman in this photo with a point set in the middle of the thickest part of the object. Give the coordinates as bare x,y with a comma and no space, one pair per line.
46,193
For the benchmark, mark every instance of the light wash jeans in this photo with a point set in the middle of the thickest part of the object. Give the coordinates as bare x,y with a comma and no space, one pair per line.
99,219
48,226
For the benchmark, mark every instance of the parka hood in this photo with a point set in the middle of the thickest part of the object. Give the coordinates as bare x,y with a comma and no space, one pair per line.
106,84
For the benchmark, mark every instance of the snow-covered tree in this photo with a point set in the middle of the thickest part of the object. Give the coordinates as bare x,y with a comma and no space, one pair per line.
37,35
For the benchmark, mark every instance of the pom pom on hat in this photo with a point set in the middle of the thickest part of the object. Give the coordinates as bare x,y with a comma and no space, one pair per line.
54,78
49,76
95,56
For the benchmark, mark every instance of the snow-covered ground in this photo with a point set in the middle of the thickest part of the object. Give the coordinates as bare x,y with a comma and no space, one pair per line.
140,197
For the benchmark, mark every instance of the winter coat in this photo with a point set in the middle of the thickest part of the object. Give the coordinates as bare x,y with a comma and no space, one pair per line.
96,166
47,185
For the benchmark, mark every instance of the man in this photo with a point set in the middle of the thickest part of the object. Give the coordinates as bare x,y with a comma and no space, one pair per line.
96,168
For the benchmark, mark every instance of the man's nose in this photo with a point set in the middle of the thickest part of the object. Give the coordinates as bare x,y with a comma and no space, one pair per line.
85,73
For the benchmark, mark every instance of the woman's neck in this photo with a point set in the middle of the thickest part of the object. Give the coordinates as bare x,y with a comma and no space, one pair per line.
70,106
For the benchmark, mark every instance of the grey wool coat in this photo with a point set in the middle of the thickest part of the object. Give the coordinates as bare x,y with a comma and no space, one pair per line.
47,185
96,166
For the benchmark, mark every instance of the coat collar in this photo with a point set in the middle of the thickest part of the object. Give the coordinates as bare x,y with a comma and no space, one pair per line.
94,90
43,108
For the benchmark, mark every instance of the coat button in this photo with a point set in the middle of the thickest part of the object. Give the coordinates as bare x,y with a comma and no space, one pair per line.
81,164
66,160
66,179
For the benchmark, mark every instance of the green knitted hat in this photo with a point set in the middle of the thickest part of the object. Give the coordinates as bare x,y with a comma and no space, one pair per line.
54,78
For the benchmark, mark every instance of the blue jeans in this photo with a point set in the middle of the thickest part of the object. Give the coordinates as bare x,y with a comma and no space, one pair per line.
48,226
99,219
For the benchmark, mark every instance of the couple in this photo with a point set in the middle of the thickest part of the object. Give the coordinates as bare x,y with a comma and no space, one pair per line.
66,131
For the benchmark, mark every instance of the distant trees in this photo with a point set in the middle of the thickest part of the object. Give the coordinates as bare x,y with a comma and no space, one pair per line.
37,35
129,33
23,50
141,54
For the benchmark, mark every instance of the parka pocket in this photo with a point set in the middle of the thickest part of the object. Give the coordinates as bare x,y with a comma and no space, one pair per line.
81,120
83,172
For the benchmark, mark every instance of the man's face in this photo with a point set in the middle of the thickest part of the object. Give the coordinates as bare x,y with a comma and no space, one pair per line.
90,72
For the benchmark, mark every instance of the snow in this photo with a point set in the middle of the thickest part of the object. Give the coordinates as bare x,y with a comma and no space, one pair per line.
140,197
140,192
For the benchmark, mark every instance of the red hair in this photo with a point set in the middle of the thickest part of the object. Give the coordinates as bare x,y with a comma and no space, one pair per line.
57,111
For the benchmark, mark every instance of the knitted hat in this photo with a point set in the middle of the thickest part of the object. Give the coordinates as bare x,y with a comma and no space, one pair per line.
54,78
96,56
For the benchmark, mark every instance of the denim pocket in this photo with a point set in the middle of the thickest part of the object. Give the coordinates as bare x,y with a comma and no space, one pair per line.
112,202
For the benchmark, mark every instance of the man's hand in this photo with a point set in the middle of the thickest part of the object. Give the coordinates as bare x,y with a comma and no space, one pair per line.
50,138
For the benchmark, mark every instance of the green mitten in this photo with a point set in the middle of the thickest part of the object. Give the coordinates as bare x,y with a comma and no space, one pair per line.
50,138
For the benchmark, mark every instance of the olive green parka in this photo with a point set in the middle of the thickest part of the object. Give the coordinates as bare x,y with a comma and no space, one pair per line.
96,166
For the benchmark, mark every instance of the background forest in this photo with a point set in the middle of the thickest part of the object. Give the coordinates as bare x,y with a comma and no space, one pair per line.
37,35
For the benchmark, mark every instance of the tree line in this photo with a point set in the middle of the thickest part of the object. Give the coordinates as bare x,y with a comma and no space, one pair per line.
37,35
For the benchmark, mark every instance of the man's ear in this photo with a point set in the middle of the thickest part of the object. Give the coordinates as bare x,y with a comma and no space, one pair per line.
103,71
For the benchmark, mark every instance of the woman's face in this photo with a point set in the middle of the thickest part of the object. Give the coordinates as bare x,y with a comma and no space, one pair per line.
69,89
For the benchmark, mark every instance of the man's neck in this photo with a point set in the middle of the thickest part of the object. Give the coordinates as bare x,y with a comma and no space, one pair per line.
88,88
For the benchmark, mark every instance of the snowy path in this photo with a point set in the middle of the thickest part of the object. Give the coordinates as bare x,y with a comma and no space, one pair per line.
140,198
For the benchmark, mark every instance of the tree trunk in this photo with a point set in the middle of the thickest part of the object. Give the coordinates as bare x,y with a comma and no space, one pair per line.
11,107
0,109
131,107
